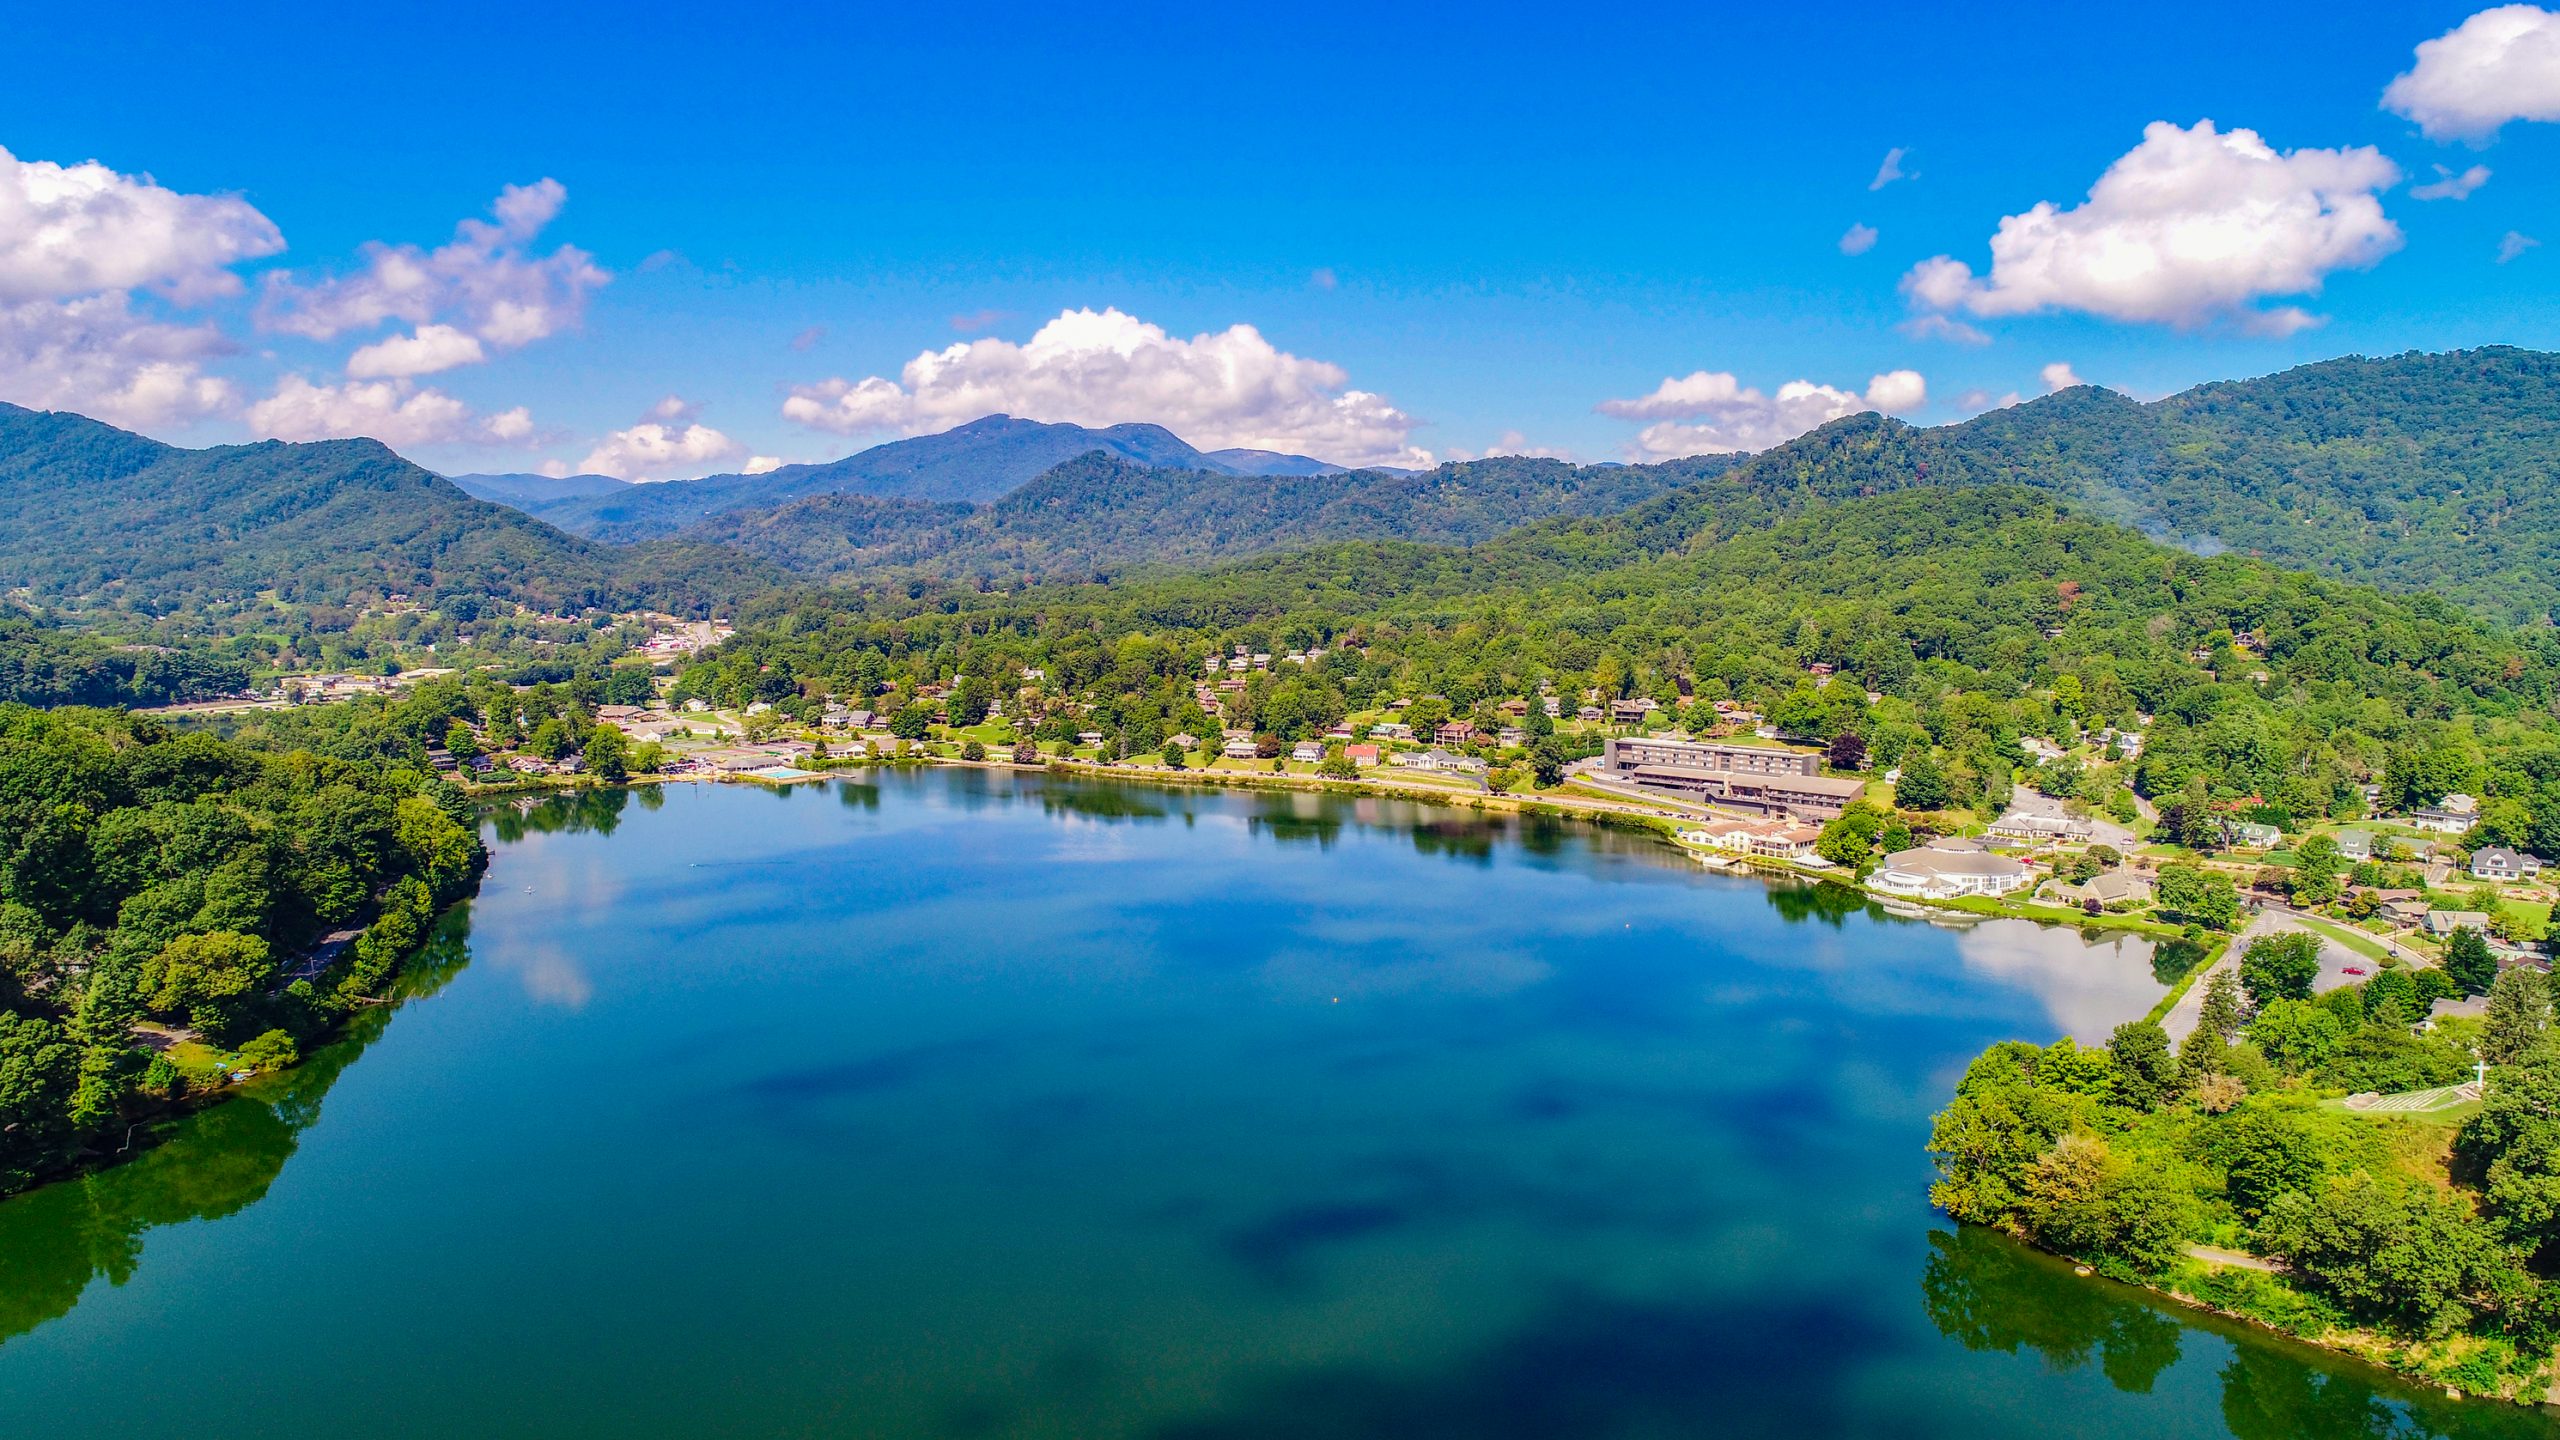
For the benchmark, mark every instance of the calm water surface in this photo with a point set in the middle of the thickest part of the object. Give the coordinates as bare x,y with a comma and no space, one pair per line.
958,1105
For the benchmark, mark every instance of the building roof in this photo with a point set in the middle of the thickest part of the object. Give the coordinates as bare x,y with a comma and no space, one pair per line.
1925,861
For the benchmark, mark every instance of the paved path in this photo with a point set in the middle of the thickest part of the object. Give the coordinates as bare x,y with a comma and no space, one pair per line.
2335,961
2231,1259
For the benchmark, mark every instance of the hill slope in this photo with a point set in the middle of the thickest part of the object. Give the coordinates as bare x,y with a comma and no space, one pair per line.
2412,472
1099,513
92,513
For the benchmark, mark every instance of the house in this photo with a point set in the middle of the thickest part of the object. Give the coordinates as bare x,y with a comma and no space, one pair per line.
1306,752
2354,845
1184,740
1456,732
1788,842
617,714
1590,713
2404,912
1361,754
2037,819
1553,705
1440,761
2040,750
2441,923
2497,862
2250,835
1631,712
1390,732
2453,815
2115,887
1237,747
1511,735
1928,872
1088,737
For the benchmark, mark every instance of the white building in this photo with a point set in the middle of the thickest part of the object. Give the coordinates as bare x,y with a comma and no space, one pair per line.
1930,873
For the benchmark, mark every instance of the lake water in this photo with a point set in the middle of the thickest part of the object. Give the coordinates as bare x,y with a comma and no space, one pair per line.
975,1105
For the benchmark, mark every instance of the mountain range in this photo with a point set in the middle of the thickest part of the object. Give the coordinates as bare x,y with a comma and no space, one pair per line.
2414,472
975,463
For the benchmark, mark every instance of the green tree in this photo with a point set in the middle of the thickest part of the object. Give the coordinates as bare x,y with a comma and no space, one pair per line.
1848,839
1923,785
608,755
2392,1250
2297,1035
2519,1015
2470,961
207,978
2145,1072
2220,1014
2316,871
2193,892
2280,967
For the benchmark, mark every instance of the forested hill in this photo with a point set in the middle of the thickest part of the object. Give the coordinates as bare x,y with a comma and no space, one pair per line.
1978,615
2413,472
1101,514
91,513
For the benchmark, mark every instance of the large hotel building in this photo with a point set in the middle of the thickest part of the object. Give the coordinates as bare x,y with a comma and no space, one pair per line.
1748,777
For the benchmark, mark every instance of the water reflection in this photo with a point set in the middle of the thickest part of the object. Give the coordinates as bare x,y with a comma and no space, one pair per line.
2088,988
56,1241
1989,1293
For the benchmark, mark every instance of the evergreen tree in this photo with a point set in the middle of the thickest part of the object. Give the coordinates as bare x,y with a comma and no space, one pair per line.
2519,1015
2468,959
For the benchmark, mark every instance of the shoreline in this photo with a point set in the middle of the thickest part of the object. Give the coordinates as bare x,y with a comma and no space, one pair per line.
2359,1346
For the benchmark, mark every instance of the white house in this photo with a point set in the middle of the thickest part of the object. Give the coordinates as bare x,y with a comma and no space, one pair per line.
2454,815
1927,873
2497,862
1306,752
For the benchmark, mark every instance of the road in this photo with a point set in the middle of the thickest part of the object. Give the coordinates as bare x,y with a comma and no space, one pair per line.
2335,961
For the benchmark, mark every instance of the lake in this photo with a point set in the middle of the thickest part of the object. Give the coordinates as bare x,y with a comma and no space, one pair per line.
968,1104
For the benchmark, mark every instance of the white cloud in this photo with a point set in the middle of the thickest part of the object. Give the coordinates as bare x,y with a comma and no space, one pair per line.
1858,240
761,465
2191,226
2449,186
2502,64
1710,412
432,348
2060,376
486,281
1974,402
654,451
76,242
1226,389
96,356
396,412
2513,244
1942,327
73,230
1890,170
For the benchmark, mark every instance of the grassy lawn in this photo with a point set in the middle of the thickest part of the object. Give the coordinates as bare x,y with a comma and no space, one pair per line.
2357,941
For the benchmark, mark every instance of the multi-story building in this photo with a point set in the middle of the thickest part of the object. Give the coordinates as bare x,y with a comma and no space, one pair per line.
1750,777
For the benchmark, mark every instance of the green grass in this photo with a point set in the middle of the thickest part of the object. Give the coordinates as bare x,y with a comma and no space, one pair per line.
2360,943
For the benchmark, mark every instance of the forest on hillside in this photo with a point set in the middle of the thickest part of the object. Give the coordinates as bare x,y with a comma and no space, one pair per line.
1976,618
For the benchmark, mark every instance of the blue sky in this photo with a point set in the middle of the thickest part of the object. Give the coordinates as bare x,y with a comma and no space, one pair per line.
1485,221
